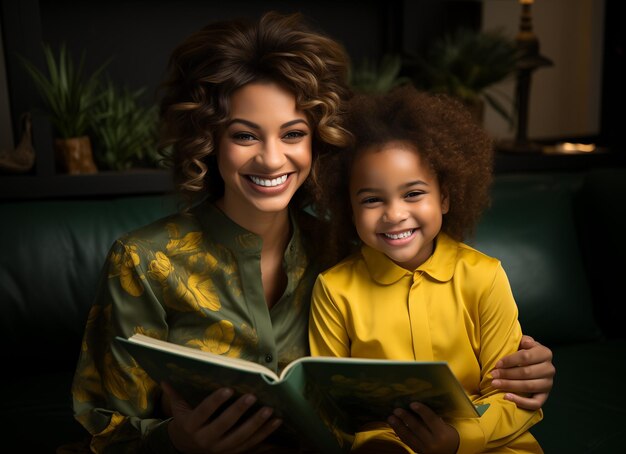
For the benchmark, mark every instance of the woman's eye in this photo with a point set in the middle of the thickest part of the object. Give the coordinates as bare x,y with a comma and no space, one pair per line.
294,135
243,137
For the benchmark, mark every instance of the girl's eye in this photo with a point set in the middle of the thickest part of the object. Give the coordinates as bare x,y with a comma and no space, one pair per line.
370,200
413,194
294,136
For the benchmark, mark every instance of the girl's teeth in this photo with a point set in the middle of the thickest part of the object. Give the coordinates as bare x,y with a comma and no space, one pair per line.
399,235
269,182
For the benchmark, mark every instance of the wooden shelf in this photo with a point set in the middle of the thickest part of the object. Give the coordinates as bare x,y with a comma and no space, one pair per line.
505,162
135,181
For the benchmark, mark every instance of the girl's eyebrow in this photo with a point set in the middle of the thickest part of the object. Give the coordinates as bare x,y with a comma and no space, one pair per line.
414,183
362,190
253,125
402,186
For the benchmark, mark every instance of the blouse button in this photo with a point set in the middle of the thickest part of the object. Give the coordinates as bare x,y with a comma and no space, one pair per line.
268,358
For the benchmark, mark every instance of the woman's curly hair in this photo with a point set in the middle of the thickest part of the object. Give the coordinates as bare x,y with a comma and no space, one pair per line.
445,134
222,57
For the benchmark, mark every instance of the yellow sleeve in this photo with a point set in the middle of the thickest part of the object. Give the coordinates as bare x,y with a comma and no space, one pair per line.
328,335
500,334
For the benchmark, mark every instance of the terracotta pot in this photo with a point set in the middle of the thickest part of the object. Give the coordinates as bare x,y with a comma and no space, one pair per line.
75,155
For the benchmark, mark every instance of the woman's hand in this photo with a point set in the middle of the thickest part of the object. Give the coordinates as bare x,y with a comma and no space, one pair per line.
529,371
424,432
197,430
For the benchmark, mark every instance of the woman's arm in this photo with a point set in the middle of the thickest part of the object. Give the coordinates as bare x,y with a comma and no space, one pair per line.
113,398
529,370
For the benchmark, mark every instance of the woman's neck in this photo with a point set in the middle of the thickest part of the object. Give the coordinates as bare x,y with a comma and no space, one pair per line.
273,228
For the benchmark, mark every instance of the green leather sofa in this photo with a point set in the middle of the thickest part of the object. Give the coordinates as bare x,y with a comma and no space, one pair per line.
556,234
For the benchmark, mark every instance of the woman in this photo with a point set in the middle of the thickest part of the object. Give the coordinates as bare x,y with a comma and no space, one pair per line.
249,111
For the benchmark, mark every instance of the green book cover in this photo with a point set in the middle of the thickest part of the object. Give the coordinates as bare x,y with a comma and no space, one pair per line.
323,399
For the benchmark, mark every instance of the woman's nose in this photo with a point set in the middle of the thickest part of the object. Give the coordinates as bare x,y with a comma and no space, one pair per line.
271,155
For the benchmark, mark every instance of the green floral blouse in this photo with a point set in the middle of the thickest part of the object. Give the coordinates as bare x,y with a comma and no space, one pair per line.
193,279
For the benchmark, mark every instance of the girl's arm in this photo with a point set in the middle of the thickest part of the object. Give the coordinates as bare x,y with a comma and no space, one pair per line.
327,331
503,423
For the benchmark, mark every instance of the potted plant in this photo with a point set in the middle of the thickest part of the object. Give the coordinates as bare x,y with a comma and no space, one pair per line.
377,77
69,95
466,64
125,132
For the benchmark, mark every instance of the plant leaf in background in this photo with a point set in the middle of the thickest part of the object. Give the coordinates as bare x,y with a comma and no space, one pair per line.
125,132
377,77
466,64
67,91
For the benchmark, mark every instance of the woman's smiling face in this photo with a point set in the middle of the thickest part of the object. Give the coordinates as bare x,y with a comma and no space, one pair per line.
264,153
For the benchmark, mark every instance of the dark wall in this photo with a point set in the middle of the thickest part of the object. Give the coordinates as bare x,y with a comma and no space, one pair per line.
140,34
614,78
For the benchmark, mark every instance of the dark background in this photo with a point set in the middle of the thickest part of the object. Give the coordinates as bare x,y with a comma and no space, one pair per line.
139,36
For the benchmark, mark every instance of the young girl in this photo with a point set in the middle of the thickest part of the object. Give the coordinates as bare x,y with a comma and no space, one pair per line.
419,174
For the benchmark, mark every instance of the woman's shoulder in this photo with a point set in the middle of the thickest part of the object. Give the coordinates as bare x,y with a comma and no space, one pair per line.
162,230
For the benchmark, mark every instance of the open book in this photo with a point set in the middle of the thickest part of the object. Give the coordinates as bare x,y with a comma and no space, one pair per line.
323,399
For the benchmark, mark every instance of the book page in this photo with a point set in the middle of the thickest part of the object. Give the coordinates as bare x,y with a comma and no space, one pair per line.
194,353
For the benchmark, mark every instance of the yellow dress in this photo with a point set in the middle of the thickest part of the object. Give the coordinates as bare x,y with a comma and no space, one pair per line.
456,307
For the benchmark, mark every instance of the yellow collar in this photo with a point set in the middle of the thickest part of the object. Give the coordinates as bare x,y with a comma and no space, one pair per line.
440,265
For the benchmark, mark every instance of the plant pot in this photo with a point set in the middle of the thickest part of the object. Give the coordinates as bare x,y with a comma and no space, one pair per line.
75,155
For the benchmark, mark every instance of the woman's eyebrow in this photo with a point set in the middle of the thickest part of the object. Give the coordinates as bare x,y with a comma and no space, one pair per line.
244,122
253,125
294,122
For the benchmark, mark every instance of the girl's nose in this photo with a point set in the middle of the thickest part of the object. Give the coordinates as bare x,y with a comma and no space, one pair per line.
394,214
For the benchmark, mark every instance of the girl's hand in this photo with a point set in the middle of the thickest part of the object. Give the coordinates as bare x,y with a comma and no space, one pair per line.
529,370
197,430
424,432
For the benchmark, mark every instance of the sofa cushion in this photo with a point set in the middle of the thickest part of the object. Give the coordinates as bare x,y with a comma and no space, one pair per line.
52,253
530,228
600,207
586,409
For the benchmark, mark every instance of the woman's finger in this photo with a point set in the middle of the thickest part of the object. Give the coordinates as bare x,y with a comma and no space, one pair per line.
536,354
535,402
406,435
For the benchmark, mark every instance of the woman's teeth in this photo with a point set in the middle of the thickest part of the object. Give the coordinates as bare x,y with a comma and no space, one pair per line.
269,182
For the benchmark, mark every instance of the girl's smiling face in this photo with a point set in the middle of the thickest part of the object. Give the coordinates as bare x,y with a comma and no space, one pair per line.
396,202
264,153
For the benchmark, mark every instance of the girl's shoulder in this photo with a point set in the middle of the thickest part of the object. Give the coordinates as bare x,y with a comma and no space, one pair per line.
468,253
351,268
